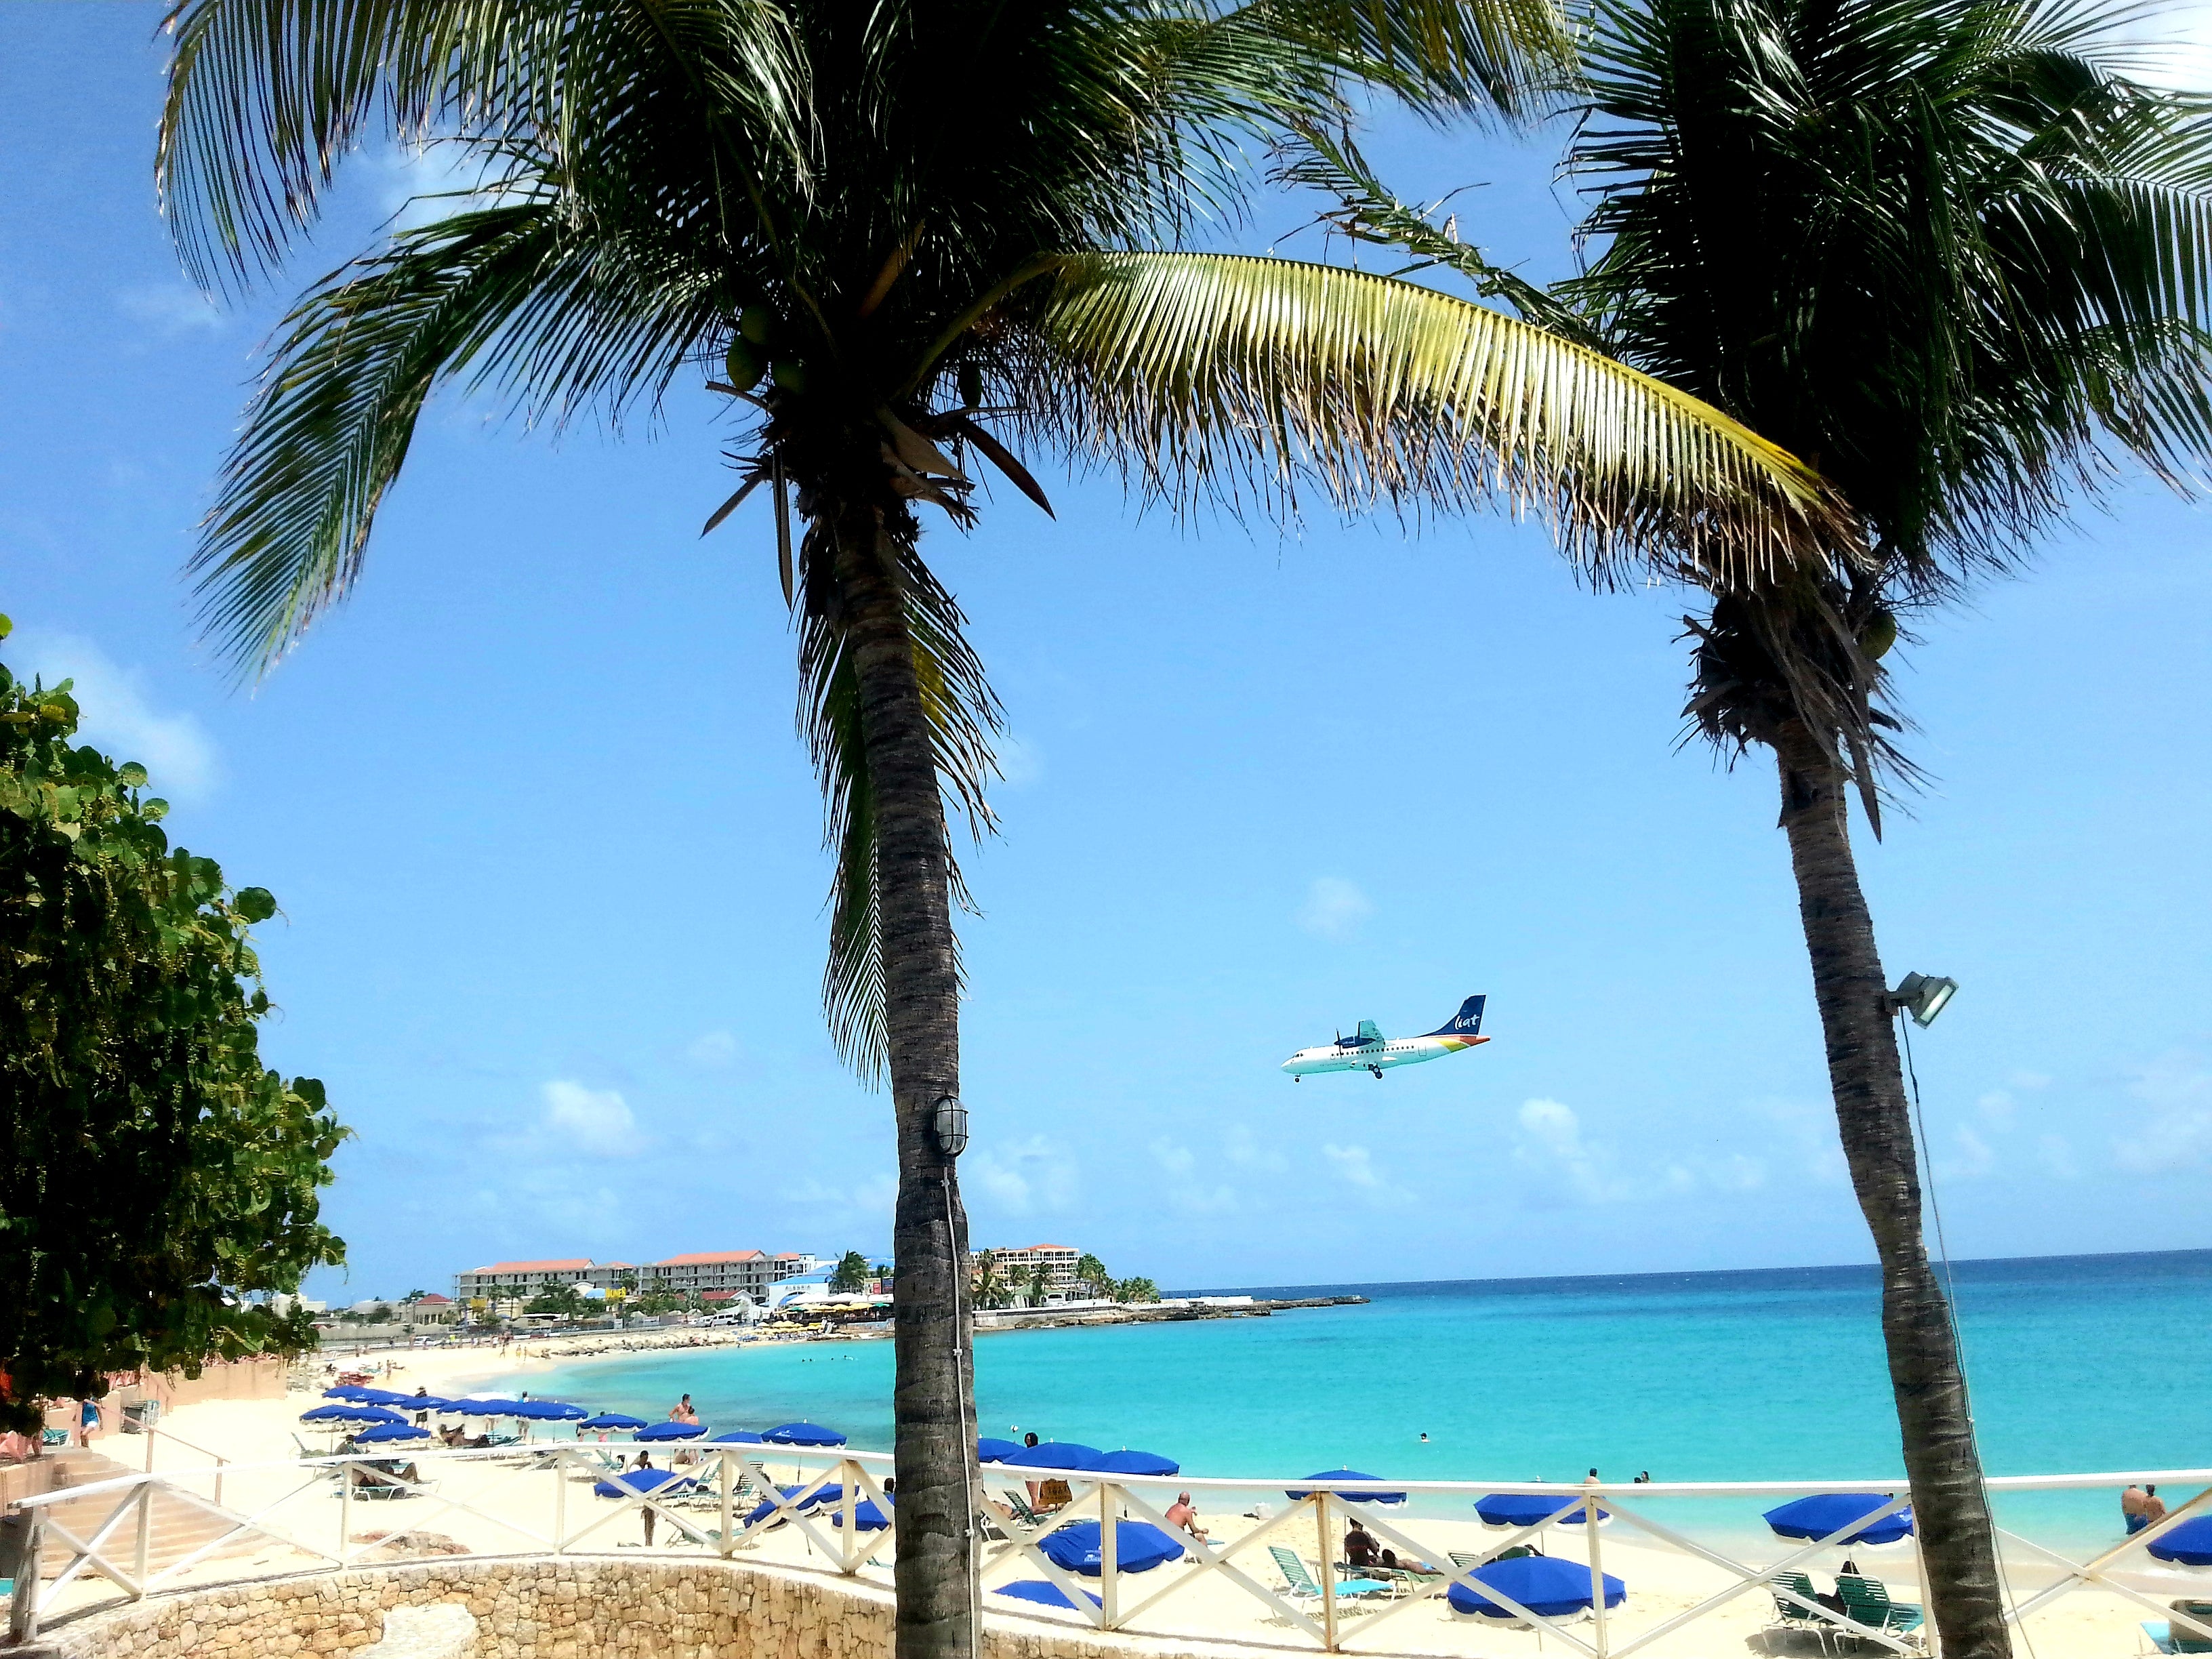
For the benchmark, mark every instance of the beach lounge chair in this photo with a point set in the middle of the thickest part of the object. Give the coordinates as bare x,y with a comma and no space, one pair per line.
1866,1601
1302,1588
1020,1506
2166,1638
1793,1615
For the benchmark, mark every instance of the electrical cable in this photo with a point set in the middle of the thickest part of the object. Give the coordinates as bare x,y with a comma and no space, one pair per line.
1951,1297
960,1400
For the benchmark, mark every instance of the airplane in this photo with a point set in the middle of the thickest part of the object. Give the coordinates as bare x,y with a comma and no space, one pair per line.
1368,1051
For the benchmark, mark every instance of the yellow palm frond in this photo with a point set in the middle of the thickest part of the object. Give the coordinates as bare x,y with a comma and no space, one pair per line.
1215,373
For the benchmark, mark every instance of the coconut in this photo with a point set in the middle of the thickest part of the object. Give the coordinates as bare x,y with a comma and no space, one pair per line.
743,364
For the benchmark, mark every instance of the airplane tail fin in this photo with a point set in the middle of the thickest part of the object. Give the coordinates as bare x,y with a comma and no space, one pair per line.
1468,1021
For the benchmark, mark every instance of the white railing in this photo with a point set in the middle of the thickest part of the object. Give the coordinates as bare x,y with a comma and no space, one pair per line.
145,1532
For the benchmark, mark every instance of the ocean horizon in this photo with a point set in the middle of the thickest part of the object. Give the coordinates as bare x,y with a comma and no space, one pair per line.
2077,1365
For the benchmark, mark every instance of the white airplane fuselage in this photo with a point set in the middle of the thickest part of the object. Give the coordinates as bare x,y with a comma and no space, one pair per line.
1370,1051
1376,1057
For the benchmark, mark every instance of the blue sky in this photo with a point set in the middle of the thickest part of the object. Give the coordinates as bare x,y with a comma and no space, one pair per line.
548,852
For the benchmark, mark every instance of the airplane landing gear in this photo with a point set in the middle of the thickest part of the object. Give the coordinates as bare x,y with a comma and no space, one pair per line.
1377,1070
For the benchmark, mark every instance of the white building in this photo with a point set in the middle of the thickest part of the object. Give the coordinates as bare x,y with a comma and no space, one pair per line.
1015,1265
522,1278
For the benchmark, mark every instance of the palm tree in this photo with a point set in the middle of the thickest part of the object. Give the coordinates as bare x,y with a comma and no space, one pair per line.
1951,252
899,236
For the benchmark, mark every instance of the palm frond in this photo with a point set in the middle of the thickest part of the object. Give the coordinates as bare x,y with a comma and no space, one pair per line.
1214,373
1467,56
550,319
962,713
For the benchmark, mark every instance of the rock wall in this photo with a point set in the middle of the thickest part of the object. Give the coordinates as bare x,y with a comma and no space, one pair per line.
548,1608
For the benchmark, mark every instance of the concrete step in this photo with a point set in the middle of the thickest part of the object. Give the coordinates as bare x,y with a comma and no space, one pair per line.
176,1527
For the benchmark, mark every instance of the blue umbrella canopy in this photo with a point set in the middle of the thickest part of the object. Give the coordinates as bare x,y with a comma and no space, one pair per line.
1126,1461
1526,1509
614,1420
765,1508
990,1450
376,1433
347,1391
1042,1591
432,1402
488,1406
2189,1544
630,1483
867,1518
1055,1455
1139,1546
1832,1511
1348,1496
803,1434
1546,1586
383,1397
738,1438
549,1411
671,1431
346,1412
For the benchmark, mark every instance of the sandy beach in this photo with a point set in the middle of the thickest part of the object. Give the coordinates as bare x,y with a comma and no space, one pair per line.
509,1503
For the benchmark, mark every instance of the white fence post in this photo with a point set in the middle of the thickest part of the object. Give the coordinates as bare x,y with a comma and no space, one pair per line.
23,1612
1109,1554
1597,1572
728,1541
142,1546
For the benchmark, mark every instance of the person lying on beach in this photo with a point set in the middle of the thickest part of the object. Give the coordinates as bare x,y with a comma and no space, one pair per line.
1181,1515
1390,1559
1359,1546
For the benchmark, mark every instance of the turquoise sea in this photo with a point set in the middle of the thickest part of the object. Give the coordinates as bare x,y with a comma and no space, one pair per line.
2077,1363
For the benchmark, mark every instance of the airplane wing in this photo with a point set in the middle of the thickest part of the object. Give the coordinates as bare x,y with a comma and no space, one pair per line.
1370,1032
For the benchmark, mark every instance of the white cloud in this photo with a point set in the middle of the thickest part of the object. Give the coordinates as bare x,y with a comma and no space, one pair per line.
592,1120
2177,1134
715,1048
1021,762
1552,1145
1334,909
170,308
2030,1079
1971,1155
1356,1165
871,1197
178,754
1024,1176
1243,1148
1998,1108
1186,1194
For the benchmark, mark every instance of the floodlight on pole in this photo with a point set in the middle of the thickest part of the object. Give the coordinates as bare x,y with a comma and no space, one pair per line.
1924,996
948,1120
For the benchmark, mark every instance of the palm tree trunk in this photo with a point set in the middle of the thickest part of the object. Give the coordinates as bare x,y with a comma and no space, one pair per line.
1950,1508
932,1402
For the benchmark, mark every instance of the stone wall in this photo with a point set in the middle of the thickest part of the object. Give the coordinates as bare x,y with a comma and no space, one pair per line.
547,1608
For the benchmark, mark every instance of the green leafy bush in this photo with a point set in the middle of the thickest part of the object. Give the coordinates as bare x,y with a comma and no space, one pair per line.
154,1173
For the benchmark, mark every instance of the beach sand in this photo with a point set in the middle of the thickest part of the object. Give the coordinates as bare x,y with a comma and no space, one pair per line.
510,1506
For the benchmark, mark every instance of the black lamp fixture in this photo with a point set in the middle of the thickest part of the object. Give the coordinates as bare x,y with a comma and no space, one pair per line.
1922,996
949,1121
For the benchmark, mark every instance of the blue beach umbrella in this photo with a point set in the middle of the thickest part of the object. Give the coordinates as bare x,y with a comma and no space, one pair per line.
614,1420
347,1391
738,1438
1349,1497
632,1483
1055,1455
549,1411
376,1434
1126,1461
671,1431
1546,1586
344,1413
488,1406
383,1397
2189,1544
1042,1591
1832,1511
431,1403
1139,1546
1526,1509
990,1450
803,1434
867,1518
765,1508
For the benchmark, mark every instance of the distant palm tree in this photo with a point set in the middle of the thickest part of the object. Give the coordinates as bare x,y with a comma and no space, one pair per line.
904,234
988,1289
1951,253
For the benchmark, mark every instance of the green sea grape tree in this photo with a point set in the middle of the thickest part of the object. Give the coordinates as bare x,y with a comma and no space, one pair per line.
159,1181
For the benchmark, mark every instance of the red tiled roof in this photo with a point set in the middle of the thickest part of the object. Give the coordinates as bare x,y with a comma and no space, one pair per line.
431,1297
1048,1247
717,1296
572,1264
707,1258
